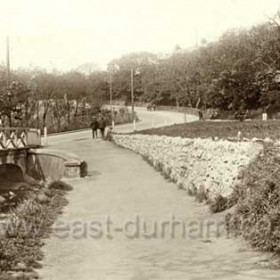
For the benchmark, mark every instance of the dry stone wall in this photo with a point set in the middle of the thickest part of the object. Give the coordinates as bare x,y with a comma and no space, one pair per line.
197,165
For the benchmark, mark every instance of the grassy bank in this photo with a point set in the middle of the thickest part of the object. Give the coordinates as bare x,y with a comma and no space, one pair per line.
21,237
224,129
257,213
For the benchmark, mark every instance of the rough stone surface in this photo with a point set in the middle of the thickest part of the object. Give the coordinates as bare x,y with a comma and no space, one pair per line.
194,164
42,198
21,266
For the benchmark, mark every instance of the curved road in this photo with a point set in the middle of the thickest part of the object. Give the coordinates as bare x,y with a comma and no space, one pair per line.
147,119
150,119
126,222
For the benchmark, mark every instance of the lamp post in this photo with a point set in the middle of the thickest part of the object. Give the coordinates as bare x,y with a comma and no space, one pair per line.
8,79
111,69
8,73
111,99
132,73
132,91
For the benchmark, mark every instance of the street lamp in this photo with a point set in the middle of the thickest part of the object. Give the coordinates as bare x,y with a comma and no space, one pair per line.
111,69
132,91
111,99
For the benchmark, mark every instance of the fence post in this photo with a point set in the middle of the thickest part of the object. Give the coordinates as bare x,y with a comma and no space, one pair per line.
239,136
45,136
39,135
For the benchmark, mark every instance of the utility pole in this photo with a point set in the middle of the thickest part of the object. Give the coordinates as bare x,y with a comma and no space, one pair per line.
132,91
8,72
111,99
111,69
8,78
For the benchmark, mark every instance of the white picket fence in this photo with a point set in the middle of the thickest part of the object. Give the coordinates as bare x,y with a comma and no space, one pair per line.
17,138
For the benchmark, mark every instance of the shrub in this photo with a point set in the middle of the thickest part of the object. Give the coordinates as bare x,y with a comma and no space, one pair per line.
202,195
59,185
30,222
217,204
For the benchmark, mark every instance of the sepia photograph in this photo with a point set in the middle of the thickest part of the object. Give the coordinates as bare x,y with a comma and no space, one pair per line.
140,140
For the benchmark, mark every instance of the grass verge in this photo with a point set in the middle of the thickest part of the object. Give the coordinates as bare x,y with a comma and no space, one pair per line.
224,129
22,236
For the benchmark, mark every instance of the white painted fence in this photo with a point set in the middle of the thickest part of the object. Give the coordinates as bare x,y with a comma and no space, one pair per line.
16,138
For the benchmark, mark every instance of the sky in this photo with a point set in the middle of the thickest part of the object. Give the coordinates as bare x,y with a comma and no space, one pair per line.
64,34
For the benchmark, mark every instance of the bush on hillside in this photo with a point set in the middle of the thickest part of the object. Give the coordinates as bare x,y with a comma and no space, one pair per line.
257,213
218,204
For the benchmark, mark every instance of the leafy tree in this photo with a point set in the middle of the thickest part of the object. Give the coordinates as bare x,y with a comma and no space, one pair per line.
137,64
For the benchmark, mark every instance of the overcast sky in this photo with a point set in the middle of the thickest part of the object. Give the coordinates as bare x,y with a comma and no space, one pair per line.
64,34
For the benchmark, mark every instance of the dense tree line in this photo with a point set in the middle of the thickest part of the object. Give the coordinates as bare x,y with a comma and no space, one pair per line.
239,71
59,101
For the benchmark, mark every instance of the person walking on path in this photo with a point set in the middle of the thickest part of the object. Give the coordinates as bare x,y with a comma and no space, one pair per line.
94,126
102,125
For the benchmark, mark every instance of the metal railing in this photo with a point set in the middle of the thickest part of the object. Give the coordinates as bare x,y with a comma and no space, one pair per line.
12,138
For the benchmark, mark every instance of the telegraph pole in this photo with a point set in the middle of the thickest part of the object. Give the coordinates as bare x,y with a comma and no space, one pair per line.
8,78
8,71
111,68
111,100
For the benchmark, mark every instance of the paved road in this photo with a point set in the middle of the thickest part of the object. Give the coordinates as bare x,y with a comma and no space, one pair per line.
147,119
176,237
150,119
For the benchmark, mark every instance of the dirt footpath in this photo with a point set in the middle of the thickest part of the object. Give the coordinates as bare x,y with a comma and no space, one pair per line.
125,221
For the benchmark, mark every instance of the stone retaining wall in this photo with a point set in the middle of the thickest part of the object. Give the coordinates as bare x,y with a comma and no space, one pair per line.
197,165
49,164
